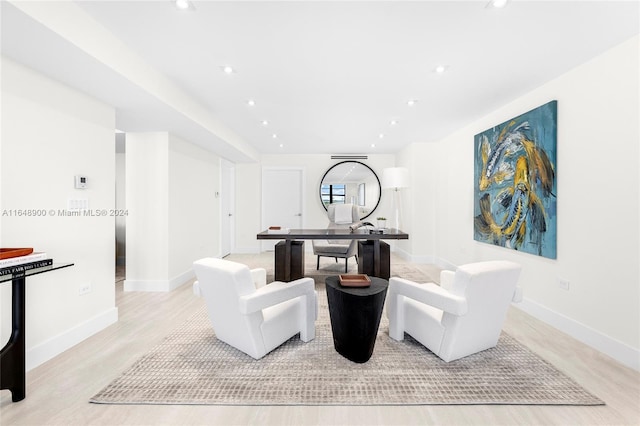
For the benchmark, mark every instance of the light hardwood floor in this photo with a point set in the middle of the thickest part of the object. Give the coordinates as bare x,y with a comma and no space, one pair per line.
58,391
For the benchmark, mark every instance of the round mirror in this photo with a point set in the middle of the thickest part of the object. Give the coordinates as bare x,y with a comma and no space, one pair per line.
351,182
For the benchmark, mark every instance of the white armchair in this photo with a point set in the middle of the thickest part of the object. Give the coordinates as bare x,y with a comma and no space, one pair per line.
249,315
462,316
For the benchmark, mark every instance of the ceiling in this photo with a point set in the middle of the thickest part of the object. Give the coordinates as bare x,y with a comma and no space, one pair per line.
329,77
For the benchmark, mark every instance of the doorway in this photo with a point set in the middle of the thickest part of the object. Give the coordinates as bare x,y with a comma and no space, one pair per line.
227,207
120,190
282,200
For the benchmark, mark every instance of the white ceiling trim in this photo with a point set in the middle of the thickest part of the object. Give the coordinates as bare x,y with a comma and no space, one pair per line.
73,24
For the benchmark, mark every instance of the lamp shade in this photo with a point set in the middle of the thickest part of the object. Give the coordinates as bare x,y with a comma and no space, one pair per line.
395,177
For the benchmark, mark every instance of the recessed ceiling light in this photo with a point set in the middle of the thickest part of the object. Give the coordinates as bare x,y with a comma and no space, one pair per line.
381,135
412,102
441,69
274,136
373,145
264,122
498,4
183,4
393,122
251,102
281,145
227,69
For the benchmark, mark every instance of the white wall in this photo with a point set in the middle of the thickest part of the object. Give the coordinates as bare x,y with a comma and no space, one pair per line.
147,199
174,217
194,210
598,214
418,203
248,179
49,134
249,190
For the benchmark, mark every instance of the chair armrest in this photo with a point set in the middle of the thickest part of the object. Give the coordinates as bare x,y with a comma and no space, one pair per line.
446,279
196,289
274,293
259,277
429,294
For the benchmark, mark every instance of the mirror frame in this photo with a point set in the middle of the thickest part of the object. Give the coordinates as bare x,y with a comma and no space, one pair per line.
357,162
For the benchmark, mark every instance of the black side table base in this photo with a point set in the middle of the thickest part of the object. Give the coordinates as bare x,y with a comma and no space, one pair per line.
355,316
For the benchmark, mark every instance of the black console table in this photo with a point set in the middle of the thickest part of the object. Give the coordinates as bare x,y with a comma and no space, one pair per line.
12,356
376,261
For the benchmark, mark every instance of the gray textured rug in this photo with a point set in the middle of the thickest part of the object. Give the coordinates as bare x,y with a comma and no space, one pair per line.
328,267
192,367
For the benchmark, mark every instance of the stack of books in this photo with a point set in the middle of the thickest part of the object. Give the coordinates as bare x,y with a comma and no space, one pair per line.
17,261
277,230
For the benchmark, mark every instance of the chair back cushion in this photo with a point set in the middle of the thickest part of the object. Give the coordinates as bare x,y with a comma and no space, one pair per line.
341,247
342,219
222,282
489,288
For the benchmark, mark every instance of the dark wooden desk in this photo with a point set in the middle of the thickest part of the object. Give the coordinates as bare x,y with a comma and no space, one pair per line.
332,234
12,356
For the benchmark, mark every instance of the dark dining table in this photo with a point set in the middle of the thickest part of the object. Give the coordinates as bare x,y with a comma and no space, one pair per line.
376,264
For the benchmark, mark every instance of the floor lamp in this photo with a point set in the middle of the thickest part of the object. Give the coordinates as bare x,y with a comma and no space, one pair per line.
395,178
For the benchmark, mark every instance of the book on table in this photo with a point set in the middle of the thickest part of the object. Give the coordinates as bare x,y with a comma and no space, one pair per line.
17,261
277,230
24,267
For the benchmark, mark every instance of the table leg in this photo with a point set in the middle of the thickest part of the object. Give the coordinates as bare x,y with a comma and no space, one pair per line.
287,260
12,356
376,257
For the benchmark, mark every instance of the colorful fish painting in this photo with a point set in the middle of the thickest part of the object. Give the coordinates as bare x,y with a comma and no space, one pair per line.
515,183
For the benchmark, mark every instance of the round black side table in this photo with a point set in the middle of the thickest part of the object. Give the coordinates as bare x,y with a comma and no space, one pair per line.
355,314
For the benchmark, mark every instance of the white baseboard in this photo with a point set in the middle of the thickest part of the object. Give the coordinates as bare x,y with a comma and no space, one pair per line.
159,285
246,250
60,343
444,264
179,280
427,259
146,285
617,350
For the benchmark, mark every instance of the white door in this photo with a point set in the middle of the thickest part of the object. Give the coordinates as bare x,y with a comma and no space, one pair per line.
281,200
227,203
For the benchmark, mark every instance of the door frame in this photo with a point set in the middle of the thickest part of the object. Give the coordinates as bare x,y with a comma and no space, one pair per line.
262,196
227,200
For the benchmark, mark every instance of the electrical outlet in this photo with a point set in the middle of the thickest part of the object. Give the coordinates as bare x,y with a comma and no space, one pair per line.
563,284
84,289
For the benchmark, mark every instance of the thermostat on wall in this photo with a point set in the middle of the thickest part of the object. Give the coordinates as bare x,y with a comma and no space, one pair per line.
80,182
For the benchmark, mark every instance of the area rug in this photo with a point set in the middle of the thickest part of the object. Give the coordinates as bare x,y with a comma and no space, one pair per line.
399,267
191,366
